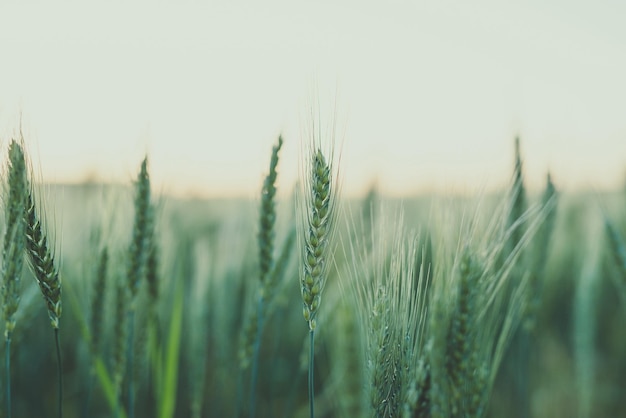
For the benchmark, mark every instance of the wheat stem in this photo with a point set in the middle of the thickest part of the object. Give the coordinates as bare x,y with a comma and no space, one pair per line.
7,357
60,365
319,221
97,301
13,250
255,357
267,220
119,341
139,254
42,263
131,363
311,373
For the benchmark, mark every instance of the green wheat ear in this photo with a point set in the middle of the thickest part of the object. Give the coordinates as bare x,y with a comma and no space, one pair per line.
518,202
13,250
267,217
14,241
140,243
42,261
319,222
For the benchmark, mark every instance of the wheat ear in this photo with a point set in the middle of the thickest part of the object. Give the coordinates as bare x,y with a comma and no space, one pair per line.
518,202
141,231
267,217
42,262
14,241
319,223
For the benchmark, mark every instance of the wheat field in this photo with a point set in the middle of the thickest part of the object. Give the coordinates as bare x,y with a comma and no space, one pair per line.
508,304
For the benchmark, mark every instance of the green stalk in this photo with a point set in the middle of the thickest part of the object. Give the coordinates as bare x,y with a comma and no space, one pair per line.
267,219
106,380
131,364
317,224
13,248
255,359
47,277
139,249
311,364
169,383
7,356
60,364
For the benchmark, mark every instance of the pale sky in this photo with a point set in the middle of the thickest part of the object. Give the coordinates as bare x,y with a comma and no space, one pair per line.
429,95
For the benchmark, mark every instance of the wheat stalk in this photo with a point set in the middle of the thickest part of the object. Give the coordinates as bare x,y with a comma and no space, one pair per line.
250,340
618,253
13,249
41,258
97,300
119,340
153,276
317,230
137,263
